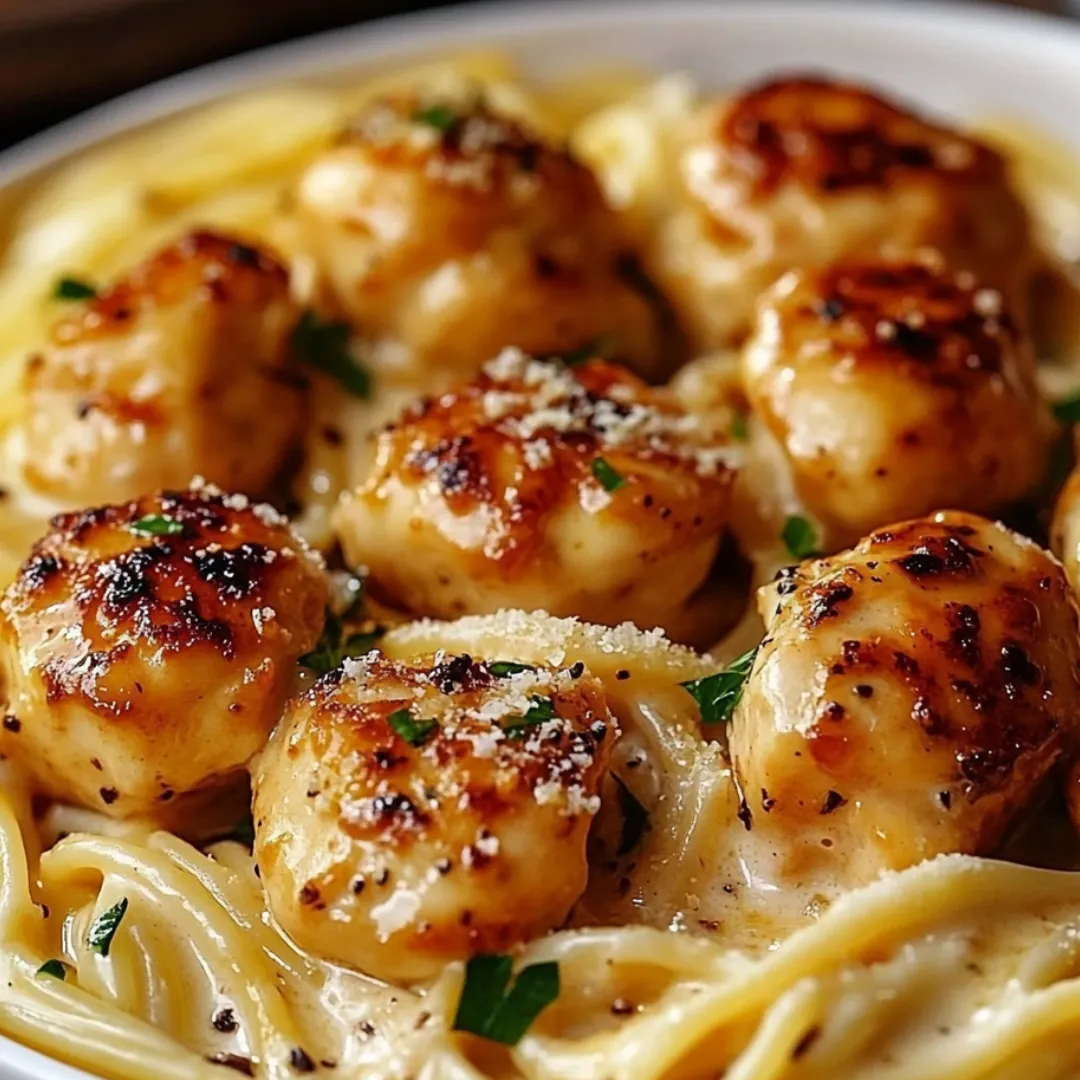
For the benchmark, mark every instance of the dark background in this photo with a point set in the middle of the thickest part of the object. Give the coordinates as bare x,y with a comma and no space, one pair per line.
58,57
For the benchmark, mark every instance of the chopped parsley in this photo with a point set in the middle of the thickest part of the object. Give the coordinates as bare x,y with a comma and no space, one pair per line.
334,646
439,117
414,732
610,480
103,928
493,1008
72,288
738,427
717,695
799,537
157,525
1067,410
541,709
503,669
54,968
324,345
635,818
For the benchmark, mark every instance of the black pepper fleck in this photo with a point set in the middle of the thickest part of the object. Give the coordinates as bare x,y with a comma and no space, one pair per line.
225,1021
300,1061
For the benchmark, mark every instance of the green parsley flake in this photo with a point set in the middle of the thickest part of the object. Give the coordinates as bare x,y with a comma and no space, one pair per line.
1067,410
503,669
493,1009
541,709
324,345
799,537
439,117
414,732
717,695
738,427
55,968
334,646
156,525
71,288
103,928
609,479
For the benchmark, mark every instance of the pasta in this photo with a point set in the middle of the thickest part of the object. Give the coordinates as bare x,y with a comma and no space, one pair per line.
137,953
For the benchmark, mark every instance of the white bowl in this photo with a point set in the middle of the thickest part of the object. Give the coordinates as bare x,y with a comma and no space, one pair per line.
960,60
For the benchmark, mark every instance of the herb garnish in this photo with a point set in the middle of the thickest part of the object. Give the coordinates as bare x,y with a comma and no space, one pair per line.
541,709
738,427
635,817
503,669
799,537
103,928
610,480
55,968
72,288
324,344
1067,410
333,646
717,695
439,117
414,732
495,1010
157,525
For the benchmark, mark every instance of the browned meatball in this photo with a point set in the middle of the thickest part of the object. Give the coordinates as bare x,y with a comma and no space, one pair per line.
897,387
175,371
576,490
148,647
909,698
448,231
411,814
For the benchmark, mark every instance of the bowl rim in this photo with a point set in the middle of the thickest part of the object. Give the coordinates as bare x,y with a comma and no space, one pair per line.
967,23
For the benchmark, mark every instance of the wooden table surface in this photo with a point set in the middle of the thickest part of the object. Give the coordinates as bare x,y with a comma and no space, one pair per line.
58,57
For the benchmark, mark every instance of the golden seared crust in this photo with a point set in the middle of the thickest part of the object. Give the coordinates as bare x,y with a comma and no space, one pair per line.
801,172
831,136
910,695
912,315
160,658
179,369
448,231
474,151
204,265
542,485
411,814
896,387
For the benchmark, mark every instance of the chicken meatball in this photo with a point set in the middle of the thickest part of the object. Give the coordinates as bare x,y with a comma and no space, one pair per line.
896,388
909,698
447,231
177,370
410,814
575,489
802,171
147,648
